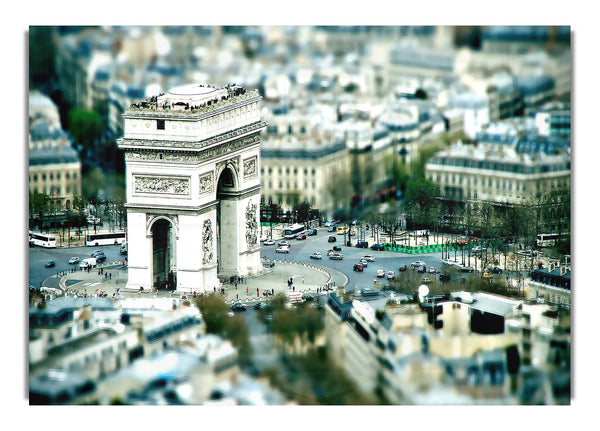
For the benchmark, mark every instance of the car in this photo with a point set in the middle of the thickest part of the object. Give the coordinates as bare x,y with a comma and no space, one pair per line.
238,306
268,242
316,255
331,229
362,244
336,256
301,236
100,258
260,306
487,275
390,275
448,262
311,232
467,269
96,252
422,268
49,264
444,277
342,230
331,239
432,270
417,264
308,297
337,248
283,243
426,280
402,268
497,270
73,260
282,249
358,267
378,247
363,262
368,258
380,273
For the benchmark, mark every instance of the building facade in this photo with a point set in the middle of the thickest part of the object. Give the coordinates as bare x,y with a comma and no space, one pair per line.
193,187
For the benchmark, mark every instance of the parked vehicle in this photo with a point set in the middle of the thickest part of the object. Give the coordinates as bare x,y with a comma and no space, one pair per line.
497,270
362,244
467,269
378,247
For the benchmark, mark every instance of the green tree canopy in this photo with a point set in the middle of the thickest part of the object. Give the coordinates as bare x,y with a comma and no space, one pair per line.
85,126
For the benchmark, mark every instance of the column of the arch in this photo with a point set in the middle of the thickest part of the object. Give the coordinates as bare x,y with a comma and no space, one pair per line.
139,252
229,261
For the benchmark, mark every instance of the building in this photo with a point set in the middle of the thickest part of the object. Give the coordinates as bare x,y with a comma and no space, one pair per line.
551,285
512,170
54,166
452,349
192,160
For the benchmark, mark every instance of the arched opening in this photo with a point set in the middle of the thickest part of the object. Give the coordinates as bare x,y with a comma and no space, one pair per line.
226,231
164,264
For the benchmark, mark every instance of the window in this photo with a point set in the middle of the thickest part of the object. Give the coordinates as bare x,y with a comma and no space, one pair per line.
160,124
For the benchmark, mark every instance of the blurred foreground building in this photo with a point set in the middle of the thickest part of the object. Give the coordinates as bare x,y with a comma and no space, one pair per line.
448,349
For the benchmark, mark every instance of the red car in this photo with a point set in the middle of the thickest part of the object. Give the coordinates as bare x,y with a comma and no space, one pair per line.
358,267
301,236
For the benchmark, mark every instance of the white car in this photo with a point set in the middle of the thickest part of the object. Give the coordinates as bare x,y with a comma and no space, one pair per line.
74,260
380,273
316,255
282,249
390,275
368,258
417,264
363,262
268,242
283,243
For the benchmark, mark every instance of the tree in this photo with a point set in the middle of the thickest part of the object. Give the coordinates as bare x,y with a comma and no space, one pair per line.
85,127
214,312
302,211
422,201
93,183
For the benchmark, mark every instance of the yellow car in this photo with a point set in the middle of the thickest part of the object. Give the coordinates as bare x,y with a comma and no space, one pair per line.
487,275
342,230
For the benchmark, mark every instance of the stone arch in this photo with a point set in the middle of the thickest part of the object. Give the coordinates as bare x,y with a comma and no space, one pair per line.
151,219
162,235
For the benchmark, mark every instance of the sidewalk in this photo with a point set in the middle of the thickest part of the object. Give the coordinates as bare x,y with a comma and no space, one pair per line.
306,278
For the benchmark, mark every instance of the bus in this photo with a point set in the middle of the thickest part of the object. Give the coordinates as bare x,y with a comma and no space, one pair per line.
546,239
94,239
42,239
292,231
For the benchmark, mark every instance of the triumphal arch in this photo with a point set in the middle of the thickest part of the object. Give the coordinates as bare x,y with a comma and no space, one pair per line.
192,161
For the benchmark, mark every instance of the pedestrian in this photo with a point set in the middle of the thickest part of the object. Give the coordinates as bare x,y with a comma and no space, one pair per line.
215,289
293,288
257,294
236,285
272,291
246,290
302,280
236,296
110,275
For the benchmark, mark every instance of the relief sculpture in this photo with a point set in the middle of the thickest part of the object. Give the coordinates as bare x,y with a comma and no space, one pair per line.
251,226
207,243
163,185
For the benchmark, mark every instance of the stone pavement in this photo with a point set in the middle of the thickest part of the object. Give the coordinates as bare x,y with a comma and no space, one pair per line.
113,280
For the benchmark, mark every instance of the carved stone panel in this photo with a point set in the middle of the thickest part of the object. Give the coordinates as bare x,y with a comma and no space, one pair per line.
206,183
161,185
251,226
250,168
207,243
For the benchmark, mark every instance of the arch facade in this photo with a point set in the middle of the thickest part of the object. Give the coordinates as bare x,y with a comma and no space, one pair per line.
193,165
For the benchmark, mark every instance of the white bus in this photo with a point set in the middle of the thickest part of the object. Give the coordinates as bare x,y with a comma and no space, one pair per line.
546,239
42,239
94,239
292,231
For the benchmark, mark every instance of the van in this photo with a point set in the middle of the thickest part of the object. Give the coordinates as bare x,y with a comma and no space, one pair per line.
123,249
88,263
